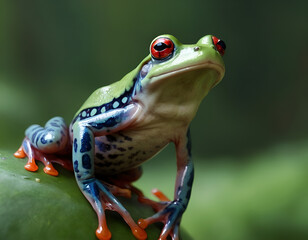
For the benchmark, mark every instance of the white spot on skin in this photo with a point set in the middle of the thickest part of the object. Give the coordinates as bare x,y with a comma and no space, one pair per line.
124,100
37,180
93,112
115,104
48,136
83,114
103,110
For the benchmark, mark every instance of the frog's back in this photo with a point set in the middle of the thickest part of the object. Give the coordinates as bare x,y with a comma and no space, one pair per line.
109,97
106,94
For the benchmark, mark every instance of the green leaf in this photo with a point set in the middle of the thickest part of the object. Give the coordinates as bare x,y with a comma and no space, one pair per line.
38,206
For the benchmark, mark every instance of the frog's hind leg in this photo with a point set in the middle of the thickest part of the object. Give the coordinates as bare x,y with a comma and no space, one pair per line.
26,151
53,138
101,199
46,144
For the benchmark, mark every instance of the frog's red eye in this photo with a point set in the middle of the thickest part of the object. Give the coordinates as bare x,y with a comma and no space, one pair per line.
220,45
162,48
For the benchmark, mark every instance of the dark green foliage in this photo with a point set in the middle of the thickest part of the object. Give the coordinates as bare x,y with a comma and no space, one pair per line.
55,54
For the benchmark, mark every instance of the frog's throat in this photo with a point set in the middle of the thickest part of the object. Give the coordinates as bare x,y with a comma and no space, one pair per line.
205,65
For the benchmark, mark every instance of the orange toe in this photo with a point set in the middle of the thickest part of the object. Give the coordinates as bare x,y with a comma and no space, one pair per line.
143,223
139,233
20,153
50,170
31,166
103,234
160,195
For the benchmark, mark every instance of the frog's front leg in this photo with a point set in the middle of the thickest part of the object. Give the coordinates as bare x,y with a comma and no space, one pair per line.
171,214
96,192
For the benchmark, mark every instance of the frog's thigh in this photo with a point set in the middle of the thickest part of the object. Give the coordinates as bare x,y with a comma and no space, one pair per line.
51,138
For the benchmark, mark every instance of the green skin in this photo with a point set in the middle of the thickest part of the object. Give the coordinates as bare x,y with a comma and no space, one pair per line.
126,123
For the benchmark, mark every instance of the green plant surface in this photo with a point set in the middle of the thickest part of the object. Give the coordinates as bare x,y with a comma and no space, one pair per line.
263,197
38,206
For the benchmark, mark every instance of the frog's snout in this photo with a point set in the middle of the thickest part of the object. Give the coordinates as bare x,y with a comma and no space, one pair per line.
218,44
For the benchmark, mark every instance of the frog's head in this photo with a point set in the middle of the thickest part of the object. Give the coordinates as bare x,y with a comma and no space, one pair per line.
173,69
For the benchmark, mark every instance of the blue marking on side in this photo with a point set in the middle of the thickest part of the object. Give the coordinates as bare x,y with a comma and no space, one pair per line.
94,190
86,161
110,105
55,125
75,145
76,166
35,133
38,137
111,122
43,139
85,143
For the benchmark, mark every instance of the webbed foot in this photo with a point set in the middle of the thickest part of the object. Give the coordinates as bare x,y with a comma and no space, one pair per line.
101,198
27,150
170,215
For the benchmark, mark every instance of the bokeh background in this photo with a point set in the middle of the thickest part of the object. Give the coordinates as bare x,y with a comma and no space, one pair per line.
250,136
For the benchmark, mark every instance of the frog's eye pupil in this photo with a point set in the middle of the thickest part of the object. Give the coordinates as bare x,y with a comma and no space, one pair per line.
220,45
162,48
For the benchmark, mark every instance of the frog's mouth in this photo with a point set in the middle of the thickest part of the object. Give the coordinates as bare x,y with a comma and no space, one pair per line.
205,65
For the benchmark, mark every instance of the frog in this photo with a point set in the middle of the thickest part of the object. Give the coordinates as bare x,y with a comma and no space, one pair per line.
122,125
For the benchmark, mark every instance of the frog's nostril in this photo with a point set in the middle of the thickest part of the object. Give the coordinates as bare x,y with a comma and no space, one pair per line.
220,45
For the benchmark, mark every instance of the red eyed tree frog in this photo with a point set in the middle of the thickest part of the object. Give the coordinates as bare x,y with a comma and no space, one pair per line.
126,123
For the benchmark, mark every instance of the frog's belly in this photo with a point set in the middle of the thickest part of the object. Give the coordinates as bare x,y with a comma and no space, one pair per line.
122,151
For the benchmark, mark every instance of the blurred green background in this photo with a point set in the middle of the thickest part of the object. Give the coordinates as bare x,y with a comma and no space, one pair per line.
249,136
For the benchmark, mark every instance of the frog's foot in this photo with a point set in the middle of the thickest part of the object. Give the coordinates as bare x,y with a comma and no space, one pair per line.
170,216
20,153
102,199
23,152
27,150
